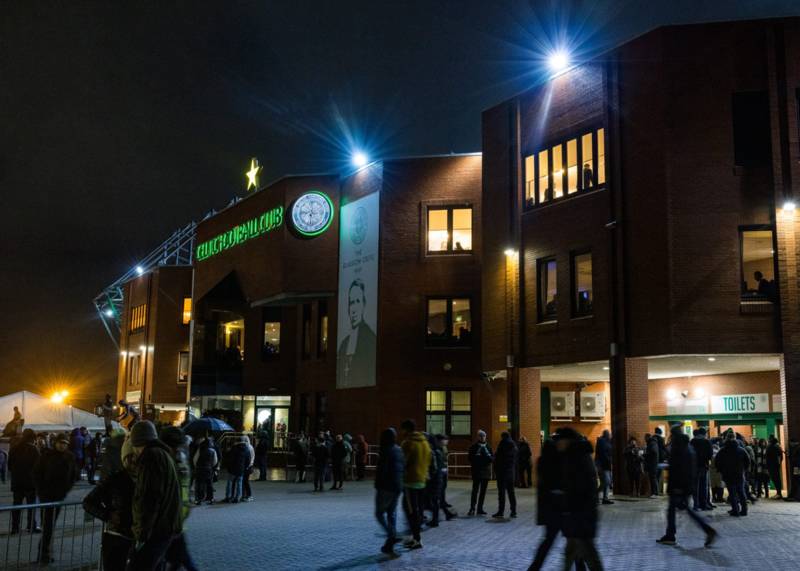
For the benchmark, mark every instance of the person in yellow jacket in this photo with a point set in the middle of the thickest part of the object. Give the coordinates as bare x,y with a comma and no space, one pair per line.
417,453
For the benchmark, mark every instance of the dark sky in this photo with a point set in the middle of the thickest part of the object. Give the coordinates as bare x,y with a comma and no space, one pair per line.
119,124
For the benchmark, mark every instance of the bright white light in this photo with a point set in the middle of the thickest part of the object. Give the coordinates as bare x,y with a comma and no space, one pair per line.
605,368
510,252
789,206
712,359
558,61
109,313
700,392
359,159
142,348
671,393
139,270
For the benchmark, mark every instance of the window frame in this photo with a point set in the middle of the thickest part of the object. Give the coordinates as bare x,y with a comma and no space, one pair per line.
188,368
186,315
562,142
138,319
541,292
757,228
449,321
448,412
573,278
449,207
272,315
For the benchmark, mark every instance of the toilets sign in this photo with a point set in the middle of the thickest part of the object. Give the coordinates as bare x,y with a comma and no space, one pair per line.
736,404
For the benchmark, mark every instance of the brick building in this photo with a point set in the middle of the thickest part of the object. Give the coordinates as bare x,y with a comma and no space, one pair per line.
639,206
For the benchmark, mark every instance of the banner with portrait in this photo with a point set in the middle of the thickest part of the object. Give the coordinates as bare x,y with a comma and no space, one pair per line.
356,341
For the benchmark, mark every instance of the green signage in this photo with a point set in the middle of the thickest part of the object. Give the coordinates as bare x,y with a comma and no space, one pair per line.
241,233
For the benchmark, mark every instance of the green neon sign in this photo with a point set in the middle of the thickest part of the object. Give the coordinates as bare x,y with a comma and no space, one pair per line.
240,233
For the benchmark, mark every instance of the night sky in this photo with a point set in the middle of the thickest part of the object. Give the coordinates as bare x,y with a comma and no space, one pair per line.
120,124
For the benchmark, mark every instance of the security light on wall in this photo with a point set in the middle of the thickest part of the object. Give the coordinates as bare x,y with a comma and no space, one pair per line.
789,205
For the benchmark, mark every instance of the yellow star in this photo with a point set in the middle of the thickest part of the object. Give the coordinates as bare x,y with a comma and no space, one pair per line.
252,174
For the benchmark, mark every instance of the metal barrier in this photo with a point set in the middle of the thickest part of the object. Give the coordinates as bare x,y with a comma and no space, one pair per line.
75,542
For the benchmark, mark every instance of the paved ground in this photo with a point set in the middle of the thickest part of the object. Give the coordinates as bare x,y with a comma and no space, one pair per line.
289,527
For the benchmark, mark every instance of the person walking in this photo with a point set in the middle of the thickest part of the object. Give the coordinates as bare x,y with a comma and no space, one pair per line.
682,481
247,491
320,455
480,459
22,459
602,460
774,459
417,455
338,462
54,475
524,463
633,465
732,462
111,501
204,460
178,553
579,518
505,469
703,453
549,500
388,487
236,461
156,498
361,451
651,464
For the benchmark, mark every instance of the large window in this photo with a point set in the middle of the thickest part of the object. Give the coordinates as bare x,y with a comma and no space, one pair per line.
134,363
272,338
183,367
566,168
582,295
548,289
449,229
448,412
230,340
449,322
138,317
758,265
187,310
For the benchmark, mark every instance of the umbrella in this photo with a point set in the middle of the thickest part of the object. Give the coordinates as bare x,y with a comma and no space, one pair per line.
207,424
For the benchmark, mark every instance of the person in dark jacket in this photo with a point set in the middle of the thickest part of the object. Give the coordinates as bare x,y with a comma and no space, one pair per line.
111,501
388,486
579,515
703,454
54,475
338,462
442,441
549,500
157,504
480,459
524,464
774,459
682,480
651,464
237,459
433,487
505,469
93,446
663,458
633,465
204,460
300,449
22,460
77,443
320,454
361,451
602,459
732,462
112,454
178,553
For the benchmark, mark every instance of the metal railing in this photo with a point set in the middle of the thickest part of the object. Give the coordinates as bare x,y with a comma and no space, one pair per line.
74,544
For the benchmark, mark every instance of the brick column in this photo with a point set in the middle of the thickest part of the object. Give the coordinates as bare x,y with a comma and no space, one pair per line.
630,411
530,408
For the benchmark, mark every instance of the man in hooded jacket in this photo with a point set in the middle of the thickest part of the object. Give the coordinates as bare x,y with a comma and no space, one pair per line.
54,475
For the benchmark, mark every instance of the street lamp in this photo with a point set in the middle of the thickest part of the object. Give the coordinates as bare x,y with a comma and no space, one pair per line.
558,61
359,159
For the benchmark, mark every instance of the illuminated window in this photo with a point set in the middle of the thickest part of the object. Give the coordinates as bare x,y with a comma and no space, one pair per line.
548,294
449,322
230,340
448,412
322,328
572,166
582,295
187,310
183,367
558,172
601,156
272,338
758,266
449,229
138,317
587,170
530,180
544,178
134,362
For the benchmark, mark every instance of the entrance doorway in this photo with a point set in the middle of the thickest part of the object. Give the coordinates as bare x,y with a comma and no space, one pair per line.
274,420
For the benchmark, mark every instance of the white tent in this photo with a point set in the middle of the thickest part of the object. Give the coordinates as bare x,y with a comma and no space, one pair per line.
41,413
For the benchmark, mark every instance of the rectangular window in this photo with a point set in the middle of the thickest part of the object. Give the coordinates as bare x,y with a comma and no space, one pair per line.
587,155
306,329
751,129
544,178
183,367
558,172
449,322
582,295
138,317
133,370
187,310
322,328
449,229
572,166
272,338
601,157
530,180
547,289
448,412
758,266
